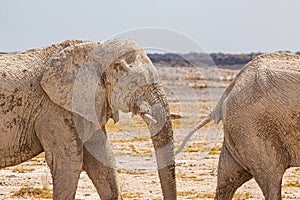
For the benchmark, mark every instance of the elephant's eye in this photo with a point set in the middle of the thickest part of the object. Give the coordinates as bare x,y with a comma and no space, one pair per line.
130,58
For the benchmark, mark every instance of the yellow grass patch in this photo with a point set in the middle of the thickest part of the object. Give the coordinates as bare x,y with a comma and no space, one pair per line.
192,177
292,184
22,170
215,150
242,196
178,123
129,126
194,147
139,123
110,126
26,192
186,193
128,171
41,155
132,195
134,139
141,152
205,195
152,174
195,195
157,198
297,169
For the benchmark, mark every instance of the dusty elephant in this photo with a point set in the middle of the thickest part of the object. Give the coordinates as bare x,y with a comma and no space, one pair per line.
58,99
261,114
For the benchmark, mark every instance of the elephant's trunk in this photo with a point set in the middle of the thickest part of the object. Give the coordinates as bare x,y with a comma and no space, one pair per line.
150,102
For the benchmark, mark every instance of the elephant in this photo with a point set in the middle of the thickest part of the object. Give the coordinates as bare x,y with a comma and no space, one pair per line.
260,111
57,99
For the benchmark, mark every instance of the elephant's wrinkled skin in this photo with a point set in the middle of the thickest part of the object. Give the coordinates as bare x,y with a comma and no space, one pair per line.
261,115
58,99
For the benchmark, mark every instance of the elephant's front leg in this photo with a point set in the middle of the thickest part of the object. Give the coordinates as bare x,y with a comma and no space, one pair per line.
99,163
63,150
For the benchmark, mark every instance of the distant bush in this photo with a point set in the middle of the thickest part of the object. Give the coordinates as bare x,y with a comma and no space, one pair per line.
202,59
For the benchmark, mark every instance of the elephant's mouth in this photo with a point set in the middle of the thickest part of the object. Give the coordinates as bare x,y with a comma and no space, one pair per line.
143,108
144,100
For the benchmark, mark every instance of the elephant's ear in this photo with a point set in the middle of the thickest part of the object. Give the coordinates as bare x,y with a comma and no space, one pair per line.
73,82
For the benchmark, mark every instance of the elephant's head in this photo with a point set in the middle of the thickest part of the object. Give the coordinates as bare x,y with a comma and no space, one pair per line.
97,79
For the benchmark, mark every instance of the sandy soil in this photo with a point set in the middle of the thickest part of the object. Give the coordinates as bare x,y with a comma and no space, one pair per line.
196,166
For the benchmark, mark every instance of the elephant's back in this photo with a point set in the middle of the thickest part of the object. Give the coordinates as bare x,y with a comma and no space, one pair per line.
20,70
266,90
282,61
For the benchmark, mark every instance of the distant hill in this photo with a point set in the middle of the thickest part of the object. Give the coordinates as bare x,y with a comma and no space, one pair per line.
222,60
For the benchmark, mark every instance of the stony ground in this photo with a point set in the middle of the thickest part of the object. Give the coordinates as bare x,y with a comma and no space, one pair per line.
196,166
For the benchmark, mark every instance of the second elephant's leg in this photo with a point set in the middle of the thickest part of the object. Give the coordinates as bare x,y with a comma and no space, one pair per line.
230,175
99,164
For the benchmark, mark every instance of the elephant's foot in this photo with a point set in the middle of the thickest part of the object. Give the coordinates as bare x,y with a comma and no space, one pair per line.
230,175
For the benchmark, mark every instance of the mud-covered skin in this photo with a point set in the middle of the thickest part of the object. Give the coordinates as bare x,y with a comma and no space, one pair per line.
58,99
261,114
20,101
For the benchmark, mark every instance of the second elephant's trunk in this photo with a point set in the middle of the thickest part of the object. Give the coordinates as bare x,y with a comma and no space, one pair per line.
151,100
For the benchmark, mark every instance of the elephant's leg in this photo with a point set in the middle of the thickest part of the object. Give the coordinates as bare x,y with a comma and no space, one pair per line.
99,164
270,184
230,175
63,150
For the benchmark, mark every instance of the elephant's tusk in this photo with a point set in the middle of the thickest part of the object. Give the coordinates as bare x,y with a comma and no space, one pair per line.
149,119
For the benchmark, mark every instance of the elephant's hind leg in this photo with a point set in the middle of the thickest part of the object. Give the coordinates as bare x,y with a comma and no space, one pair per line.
99,164
270,180
230,175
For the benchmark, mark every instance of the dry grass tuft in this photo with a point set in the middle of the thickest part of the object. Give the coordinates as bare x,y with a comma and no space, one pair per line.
128,171
178,123
126,126
22,170
41,155
292,184
186,193
215,150
195,195
132,195
242,196
184,176
205,195
27,192
297,169
195,147
134,139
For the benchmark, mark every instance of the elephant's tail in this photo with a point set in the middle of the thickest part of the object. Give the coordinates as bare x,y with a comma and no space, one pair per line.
216,115
190,134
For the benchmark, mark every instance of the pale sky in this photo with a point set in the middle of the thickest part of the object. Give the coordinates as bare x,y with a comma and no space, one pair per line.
232,26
